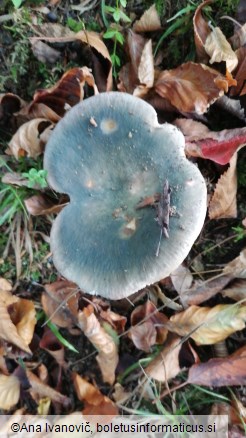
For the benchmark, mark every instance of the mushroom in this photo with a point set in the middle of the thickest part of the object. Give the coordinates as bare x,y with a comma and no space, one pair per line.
109,154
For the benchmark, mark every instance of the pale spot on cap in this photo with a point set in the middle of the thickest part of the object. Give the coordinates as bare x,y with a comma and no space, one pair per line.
108,126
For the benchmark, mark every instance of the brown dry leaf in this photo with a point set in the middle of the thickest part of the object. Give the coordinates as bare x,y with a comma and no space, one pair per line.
166,365
120,395
29,139
37,111
67,92
201,31
12,311
10,104
219,49
43,390
223,203
39,205
216,146
229,371
95,402
117,321
146,66
237,267
181,279
149,22
207,326
148,326
203,291
51,344
104,343
191,87
238,40
236,291
143,336
15,179
60,302
9,391
240,76
102,65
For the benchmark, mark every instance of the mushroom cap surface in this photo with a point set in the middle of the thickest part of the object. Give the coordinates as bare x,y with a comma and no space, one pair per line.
108,154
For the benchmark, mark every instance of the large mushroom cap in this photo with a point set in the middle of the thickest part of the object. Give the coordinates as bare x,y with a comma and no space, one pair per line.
109,153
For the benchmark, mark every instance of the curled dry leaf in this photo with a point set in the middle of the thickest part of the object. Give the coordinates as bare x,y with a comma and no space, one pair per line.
10,104
60,302
51,344
207,326
149,22
17,320
238,40
219,49
29,139
9,391
116,321
43,390
39,205
16,179
228,371
201,31
102,65
237,267
216,146
223,203
95,402
203,291
67,92
148,326
108,352
166,365
240,88
191,87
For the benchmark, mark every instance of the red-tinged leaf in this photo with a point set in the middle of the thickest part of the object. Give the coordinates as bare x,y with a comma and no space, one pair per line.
228,371
216,146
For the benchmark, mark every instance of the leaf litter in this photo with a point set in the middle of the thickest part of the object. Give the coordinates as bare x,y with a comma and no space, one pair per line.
166,340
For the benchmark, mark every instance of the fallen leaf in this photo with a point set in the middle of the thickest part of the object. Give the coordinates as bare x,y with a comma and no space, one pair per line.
223,203
67,92
237,267
143,336
219,49
120,395
203,291
39,205
240,88
15,179
148,326
37,111
207,326
14,323
51,344
60,303
166,365
146,66
149,21
181,279
9,391
236,290
95,402
116,321
43,390
102,68
191,87
5,284
29,139
201,31
238,40
104,343
228,371
216,146
10,104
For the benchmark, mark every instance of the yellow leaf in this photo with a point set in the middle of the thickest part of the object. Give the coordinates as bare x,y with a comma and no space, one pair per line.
9,391
218,48
208,326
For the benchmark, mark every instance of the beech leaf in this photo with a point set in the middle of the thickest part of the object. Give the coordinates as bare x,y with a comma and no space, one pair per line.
207,326
201,31
102,341
228,371
191,87
223,203
9,391
237,267
219,49
166,365
30,138
149,21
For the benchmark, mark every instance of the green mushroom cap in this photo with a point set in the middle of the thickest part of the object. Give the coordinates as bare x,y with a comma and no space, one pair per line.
108,154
